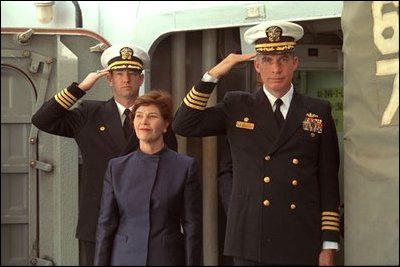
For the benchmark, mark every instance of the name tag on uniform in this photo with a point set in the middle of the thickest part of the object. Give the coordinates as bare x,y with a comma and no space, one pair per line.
311,123
245,124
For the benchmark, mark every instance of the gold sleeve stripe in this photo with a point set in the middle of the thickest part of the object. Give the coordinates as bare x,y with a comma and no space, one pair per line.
330,213
326,227
193,106
200,94
60,102
70,95
202,104
65,101
331,223
193,96
330,218
66,98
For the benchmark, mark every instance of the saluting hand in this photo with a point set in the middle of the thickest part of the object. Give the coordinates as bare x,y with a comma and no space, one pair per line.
92,78
227,64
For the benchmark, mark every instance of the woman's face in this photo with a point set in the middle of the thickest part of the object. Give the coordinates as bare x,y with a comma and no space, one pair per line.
149,125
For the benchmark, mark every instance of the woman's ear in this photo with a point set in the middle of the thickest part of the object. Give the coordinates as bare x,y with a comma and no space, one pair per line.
166,127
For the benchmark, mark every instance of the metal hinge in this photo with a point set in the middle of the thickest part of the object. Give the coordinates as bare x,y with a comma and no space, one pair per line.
40,262
43,166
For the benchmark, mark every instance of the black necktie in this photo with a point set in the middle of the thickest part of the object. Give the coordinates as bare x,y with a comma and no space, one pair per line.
278,114
127,127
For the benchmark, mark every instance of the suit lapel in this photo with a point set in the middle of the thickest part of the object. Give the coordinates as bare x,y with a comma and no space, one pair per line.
112,122
293,120
132,145
265,117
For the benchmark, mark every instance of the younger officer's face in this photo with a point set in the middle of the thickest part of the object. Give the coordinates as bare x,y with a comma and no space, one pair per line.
125,82
276,71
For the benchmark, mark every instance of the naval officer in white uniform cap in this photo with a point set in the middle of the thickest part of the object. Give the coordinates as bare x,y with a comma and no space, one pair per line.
283,208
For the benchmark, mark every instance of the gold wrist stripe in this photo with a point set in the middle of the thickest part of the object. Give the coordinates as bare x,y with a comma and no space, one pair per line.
199,98
330,213
331,223
193,105
196,100
65,99
70,95
332,228
60,102
199,93
330,220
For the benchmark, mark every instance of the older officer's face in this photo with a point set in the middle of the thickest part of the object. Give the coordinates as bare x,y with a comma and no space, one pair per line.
149,124
125,83
276,71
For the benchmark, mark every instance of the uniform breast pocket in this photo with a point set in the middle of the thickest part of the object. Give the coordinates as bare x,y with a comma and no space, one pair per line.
310,137
244,125
241,131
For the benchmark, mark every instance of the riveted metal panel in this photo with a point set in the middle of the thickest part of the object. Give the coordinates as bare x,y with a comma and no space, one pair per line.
40,172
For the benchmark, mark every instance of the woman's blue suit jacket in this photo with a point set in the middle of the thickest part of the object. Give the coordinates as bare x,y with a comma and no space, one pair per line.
147,202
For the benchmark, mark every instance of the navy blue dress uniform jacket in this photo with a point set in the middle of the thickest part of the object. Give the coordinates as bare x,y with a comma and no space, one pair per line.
146,199
285,194
96,127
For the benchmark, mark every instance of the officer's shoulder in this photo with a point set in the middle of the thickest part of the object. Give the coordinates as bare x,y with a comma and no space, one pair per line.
240,95
315,101
92,104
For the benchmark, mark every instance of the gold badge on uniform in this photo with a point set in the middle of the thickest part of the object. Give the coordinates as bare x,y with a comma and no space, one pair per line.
312,123
245,124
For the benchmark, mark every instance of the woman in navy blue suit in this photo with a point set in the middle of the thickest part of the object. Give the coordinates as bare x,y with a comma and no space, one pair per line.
151,211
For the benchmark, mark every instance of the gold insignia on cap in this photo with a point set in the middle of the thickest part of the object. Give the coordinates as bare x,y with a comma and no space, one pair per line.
246,119
126,53
273,33
102,128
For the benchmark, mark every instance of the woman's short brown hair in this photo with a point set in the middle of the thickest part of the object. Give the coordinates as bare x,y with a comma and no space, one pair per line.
161,99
